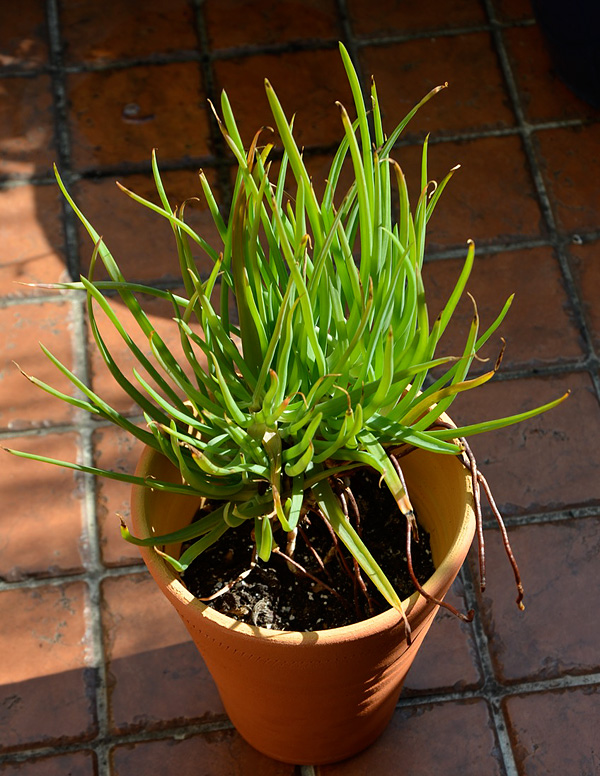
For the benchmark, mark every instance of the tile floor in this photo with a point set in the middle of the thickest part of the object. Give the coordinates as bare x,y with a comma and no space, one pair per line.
97,675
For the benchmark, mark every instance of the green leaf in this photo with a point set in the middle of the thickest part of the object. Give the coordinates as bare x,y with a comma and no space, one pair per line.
201,545
253,335
361,112
211,253
295,161
349,537
263,532
191,531
493,425
295,502
151,483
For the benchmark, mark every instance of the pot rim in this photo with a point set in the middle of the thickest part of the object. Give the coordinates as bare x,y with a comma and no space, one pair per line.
414,606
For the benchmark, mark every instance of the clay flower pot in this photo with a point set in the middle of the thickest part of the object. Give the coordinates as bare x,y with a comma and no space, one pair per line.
320,697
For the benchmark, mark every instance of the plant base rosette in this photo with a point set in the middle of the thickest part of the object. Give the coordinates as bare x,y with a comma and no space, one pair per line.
323,696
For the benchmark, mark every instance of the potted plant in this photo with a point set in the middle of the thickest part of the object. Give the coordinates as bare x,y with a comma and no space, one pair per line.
310,388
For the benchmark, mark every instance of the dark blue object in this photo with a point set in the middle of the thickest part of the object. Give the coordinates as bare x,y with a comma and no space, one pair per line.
572,31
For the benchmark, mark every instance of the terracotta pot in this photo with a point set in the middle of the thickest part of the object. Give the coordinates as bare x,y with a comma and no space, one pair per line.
320,697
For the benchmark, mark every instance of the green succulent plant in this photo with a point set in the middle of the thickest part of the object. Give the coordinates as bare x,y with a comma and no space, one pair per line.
325,365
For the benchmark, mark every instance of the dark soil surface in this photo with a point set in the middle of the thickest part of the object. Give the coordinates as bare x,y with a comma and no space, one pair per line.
273,596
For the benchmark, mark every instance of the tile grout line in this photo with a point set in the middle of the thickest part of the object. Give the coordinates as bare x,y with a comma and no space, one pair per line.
500,692
407,139
94,640
527,131
352,46
349,38
434,254
250,50
138,568
489,677
518,372
540,518
181,732
497,713
61,126
34,583
219,146
175,733
436,32
95,625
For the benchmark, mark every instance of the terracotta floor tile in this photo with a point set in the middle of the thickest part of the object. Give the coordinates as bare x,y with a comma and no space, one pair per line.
142,241
447,660
586,270
570,164
77,764
549,462
298,80
157,676
512,10
233,23
23,35
392,18
46,690
405,72
221,753
116,450
420,739
554,732
539,328
487,200
23,405
27,130
555,635
40,501
119,116
31,237
124,29
543,95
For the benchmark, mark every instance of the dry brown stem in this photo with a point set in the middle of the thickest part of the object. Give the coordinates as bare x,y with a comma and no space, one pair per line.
308,574
468,459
